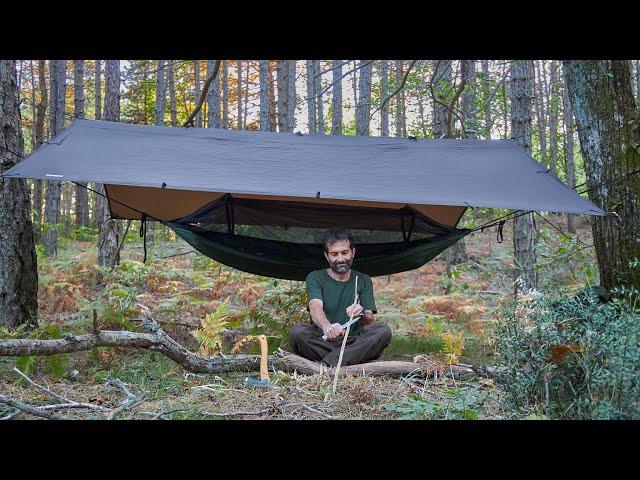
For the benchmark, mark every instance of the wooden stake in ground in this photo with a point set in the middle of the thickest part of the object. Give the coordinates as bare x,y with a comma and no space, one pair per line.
344,341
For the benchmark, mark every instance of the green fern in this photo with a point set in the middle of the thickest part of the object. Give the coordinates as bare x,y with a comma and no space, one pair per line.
212,326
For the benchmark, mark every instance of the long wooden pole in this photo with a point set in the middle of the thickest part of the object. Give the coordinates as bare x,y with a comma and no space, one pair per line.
344,341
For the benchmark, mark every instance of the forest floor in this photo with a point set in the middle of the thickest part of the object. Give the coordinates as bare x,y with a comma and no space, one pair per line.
431,312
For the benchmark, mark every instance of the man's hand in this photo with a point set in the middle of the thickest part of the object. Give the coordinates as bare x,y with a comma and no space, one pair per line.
334,330
356,308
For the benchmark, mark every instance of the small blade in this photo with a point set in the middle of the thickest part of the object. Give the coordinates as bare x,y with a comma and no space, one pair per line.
350,322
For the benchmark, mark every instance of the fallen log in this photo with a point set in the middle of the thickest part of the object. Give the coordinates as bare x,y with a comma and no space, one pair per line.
157,340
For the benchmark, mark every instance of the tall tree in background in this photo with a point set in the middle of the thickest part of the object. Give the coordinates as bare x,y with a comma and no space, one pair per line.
109,237
97,204
196,92
82,200
273,108
311,97
468,98
364,98
213,98
553,117
58,75
18,269
264,96
282,81
291,92
41,110
225,94
317,80
442,78
98,90
336,98
171,77
239,94
541,113
486,98
161,94
606,117
523,228
384,93
568,152
400,121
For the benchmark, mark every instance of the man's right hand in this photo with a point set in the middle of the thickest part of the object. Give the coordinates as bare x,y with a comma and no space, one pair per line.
333,331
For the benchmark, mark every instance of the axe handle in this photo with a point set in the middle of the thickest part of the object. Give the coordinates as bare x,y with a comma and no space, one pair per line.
264,368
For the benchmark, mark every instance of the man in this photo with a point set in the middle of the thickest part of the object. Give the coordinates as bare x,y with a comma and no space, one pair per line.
331,292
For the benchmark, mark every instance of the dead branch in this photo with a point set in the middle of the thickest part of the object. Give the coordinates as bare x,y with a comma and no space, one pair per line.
30,409
205,89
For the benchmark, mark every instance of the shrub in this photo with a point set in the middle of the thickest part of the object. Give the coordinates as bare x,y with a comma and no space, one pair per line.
572,358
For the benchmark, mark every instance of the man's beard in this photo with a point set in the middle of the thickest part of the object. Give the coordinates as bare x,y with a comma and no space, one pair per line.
342,267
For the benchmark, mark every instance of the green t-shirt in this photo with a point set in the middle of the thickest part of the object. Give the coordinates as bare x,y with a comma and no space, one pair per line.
336,296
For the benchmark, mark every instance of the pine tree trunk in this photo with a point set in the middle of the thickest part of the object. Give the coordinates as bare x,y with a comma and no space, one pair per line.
246,96
239,94
606,117
58,71
282,81
311,98
384,93
264,96
336,98
109,237
225,94
172,94
82,200
317,78
364,98
524,227
399,98
541,113
553,118
196,93
468,100
18,268
486,83
97,204
291,103
568,149
442,89
273,120
161,93
213,98
41,111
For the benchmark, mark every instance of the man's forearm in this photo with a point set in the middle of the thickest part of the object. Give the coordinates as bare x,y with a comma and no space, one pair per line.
318,316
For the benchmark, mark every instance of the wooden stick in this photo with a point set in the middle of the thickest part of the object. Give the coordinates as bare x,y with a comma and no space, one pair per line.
344,341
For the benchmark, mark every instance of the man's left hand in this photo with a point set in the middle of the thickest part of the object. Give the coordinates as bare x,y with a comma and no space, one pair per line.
354,310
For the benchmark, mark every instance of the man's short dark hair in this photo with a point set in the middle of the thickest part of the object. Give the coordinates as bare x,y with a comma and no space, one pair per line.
334,235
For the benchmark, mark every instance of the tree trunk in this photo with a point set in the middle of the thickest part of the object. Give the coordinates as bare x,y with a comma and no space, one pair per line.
239,94
553,118
364,98
311,98
442,91
213,98
196,93
606,119
282,82
317,78
41,111
524,227
225,94
336,98
161,93
384,93
291,103
109,237
486,83
568,150
82,200
58,70
246,96
264,96
399,98
541,113
468,100
273,108
97,204
18,268
172,94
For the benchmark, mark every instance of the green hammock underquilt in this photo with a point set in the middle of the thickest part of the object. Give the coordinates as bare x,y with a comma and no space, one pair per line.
293,260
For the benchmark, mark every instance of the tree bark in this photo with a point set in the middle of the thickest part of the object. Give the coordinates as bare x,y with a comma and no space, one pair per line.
399,99
568,150
364,98
58,70
172,94
161,94
282,81
41,111
82,200
553,118
273,108
239,94
110,231
311,98
336,98
18,269
291,103
541,112
196,92
225,94
317,79
97,204
442,91
384,93
606,117
213,99
468,100
486,83
246,95
264,96
524,227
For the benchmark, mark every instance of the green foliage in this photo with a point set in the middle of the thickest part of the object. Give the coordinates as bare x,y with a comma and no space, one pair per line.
83,234
572,358
200,263
55,364
461,404
212,326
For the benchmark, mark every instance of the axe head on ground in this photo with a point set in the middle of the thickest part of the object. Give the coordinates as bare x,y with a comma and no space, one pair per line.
264,369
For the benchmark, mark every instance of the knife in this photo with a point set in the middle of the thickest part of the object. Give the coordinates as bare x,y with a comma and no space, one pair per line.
346,324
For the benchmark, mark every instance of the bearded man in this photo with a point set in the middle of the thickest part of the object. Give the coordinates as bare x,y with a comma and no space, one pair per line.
330,292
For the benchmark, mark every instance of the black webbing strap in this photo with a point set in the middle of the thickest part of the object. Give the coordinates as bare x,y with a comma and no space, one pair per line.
499,235
228,207
143,234
406,236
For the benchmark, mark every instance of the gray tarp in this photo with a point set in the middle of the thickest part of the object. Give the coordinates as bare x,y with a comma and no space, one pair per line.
462,173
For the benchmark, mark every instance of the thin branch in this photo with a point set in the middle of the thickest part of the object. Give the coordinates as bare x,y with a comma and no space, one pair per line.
203,95
30,409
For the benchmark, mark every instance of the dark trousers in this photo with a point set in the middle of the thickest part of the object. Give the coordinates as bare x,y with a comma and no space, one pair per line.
306,340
